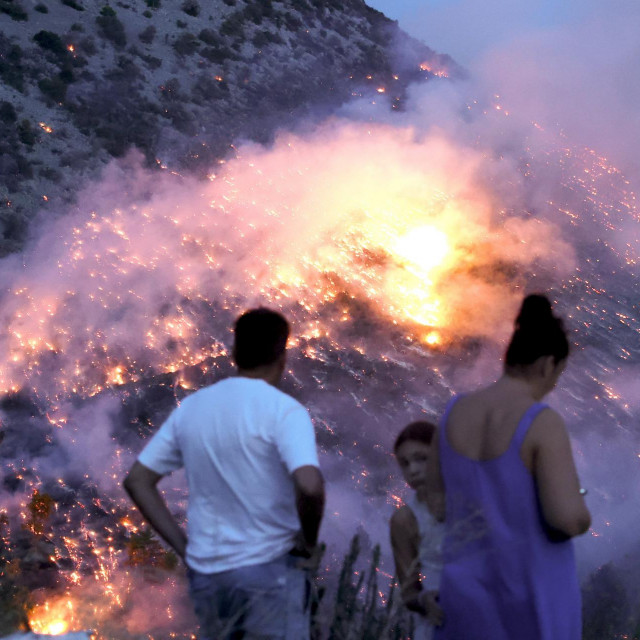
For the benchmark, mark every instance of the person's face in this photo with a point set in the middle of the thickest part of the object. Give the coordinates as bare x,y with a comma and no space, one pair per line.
413,457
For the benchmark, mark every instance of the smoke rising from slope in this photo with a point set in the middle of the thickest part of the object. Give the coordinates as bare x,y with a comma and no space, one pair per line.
571,65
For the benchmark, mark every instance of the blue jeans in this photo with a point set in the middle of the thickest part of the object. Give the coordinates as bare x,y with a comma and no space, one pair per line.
268,601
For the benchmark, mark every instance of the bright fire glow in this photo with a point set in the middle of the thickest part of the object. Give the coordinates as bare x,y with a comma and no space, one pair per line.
52,618
435,70
357,214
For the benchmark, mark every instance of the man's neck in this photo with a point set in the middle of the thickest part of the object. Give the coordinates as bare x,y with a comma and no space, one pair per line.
269,373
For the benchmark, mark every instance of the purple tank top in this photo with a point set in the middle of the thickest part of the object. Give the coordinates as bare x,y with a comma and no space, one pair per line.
503,578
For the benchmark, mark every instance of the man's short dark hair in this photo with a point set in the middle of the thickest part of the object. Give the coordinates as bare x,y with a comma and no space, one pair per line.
260,338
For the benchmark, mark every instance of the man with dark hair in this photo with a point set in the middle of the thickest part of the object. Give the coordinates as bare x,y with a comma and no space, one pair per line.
256,494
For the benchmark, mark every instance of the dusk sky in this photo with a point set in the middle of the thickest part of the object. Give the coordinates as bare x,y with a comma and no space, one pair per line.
468,28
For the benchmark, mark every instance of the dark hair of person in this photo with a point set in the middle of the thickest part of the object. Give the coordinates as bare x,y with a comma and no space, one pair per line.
538,333
419,431
260,338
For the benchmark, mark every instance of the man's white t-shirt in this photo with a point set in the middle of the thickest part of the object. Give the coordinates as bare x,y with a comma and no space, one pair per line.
239,440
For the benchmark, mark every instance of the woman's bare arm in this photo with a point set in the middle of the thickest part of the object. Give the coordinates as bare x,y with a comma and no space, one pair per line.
405,541
563,507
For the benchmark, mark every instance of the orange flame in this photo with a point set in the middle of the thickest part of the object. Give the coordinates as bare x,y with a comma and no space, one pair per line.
52,618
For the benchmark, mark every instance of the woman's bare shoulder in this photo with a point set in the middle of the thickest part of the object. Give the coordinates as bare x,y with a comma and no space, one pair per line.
548,425
404,518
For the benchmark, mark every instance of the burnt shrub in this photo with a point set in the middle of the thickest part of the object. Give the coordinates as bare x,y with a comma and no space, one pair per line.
50,41
147,13
191,7
292,21
255,12
180,118
170,90
8,113
54,89
147,35
13,227
152,62
13,10
49,173
110,27
186,44
265,37
154,4
73,4
27,133
66,75
41,8
119,116
125,70
25,169
76,26
79,61
233,25
213,54
207,89
12,70
210,37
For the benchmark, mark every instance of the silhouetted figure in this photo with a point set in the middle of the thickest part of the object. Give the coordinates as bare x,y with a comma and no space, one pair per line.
513,499
256,494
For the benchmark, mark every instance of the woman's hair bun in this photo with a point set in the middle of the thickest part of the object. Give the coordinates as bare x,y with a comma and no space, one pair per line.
535,310
538,333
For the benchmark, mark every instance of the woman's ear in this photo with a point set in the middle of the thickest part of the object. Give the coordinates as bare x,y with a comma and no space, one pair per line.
548,366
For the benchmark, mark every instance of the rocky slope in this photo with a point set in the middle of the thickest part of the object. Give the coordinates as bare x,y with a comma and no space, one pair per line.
82,82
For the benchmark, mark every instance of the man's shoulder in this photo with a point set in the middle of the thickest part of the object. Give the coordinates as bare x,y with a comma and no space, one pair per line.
238,388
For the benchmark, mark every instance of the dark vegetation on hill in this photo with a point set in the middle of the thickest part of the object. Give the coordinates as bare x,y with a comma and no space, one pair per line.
83,82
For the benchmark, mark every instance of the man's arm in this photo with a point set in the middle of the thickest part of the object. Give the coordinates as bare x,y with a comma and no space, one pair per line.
310,497
141,485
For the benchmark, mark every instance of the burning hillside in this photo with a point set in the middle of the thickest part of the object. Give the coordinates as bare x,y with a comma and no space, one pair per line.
394,253
399,249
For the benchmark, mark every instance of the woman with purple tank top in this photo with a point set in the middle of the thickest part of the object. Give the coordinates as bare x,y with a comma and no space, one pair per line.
512,498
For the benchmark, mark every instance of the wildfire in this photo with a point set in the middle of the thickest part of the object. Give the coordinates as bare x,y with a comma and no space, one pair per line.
433,69
375,215
357,222
53,617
